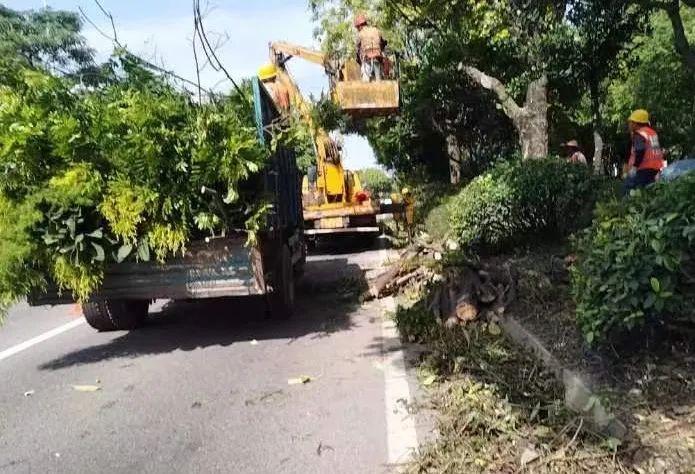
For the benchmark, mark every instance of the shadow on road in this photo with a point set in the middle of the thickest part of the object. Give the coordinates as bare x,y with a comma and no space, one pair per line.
326,300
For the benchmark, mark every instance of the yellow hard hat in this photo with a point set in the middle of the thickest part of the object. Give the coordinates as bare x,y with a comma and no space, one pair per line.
639,116
269,71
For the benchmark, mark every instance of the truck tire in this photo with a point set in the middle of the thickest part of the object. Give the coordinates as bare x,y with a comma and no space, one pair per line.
115,315
300,266
281,300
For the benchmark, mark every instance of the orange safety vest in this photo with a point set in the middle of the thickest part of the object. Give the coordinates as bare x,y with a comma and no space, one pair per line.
653,155
370,43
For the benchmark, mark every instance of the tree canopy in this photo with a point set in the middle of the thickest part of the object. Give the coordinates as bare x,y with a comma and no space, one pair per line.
483,81
44,38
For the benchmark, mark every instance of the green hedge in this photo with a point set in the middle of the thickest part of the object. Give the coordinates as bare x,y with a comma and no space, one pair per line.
518,200
635,263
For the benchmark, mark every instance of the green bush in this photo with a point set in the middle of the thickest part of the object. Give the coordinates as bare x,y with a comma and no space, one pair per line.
517,200
635,262
376,181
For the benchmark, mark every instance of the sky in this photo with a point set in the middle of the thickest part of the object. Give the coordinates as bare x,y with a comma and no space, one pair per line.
162,31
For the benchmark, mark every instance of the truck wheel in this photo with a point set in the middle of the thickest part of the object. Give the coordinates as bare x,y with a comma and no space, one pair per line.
115,315
300,266
282,298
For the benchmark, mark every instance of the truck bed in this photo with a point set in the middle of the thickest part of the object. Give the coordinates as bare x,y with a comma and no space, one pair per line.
209,269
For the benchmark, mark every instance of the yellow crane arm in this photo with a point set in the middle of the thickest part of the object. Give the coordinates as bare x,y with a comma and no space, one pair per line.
289,49
328,160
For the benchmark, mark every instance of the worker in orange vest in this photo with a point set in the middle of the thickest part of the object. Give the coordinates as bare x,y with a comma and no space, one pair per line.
370,49
268,74
646,155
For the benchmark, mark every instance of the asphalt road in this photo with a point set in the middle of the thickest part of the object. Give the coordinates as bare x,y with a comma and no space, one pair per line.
203,387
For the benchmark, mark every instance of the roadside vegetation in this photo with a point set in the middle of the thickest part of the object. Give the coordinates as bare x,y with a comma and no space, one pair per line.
490,92
105,162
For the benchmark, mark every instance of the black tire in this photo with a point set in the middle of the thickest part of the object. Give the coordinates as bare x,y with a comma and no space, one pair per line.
115,315
300,266
281,299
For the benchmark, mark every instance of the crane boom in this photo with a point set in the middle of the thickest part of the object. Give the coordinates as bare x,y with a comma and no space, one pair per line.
329,166
289,49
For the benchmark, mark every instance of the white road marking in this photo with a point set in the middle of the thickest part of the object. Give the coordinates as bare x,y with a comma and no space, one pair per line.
41,338
400,425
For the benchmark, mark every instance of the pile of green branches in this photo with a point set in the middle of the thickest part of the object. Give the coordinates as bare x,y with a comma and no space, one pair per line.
95,175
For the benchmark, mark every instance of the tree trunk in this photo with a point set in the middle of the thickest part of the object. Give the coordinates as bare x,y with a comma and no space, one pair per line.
596,113
455,161
599,169
680,39
531,120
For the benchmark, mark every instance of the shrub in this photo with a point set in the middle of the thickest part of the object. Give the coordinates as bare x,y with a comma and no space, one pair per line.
518,200
634,263
376,181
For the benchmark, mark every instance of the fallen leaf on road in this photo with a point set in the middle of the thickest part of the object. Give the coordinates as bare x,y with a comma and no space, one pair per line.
429,380
254,342
86,388
29,393
299,380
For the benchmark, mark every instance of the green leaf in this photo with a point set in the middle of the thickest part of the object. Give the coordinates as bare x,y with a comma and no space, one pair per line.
70,223
123,252
656,285
144,250
590,336
97,234
100,256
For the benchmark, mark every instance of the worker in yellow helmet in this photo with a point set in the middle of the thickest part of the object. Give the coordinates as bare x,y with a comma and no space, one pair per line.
370,49
646,155
268,74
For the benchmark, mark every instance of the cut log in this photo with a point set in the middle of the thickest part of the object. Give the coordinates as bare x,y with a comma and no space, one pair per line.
380,283
407,278
466,302
466,310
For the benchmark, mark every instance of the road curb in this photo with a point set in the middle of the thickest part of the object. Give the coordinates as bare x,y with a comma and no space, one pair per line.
579,396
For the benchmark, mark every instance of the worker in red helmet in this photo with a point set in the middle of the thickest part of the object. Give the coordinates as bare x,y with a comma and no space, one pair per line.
370,49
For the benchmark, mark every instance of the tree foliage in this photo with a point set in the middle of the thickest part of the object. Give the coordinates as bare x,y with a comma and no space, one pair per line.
115,173
635,264
518,200
44,38
376,181
653,76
